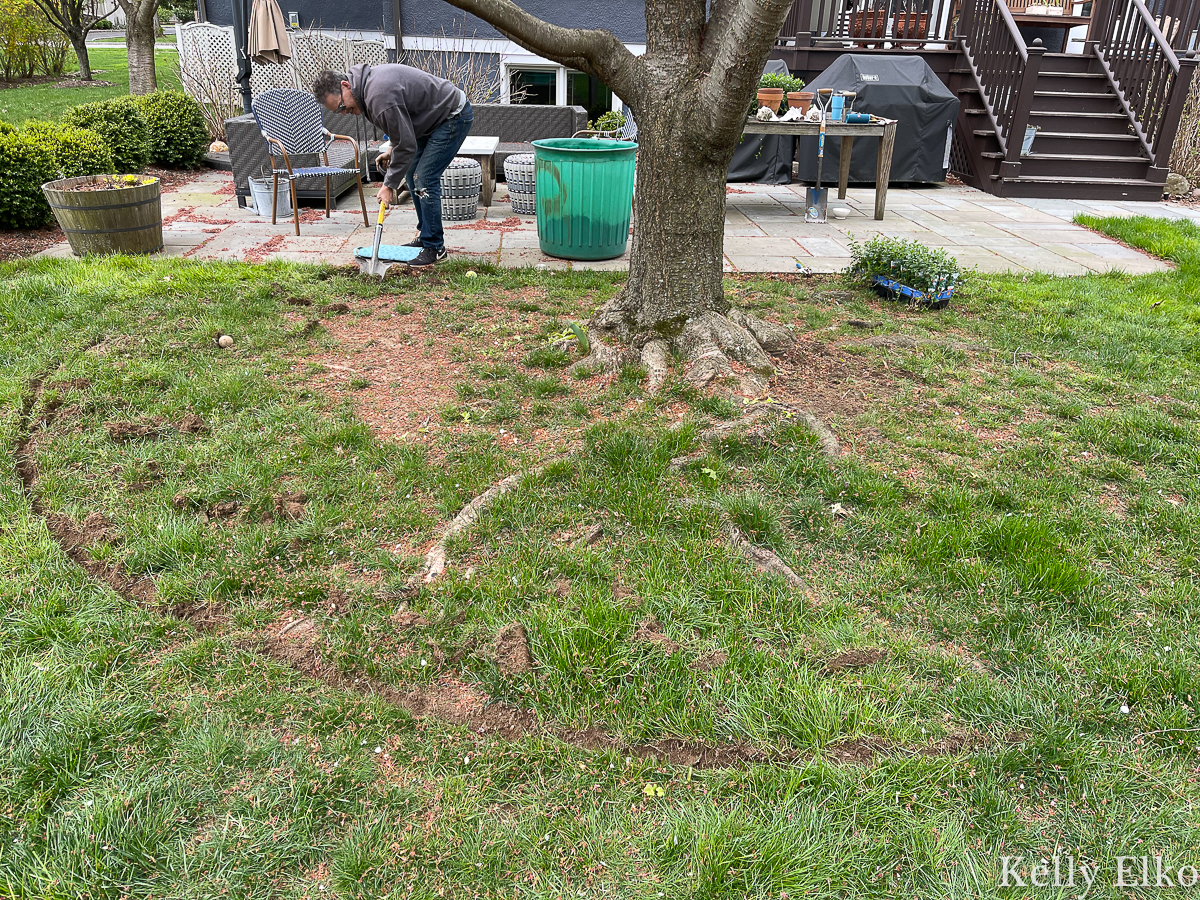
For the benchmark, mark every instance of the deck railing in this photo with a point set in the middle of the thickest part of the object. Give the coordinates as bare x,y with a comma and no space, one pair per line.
886,24
1004,68
1149,78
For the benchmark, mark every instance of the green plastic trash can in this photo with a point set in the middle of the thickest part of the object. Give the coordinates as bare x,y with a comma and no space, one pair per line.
584,189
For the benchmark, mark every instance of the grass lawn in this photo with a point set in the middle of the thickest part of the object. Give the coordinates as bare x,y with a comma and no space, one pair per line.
45,101
242,693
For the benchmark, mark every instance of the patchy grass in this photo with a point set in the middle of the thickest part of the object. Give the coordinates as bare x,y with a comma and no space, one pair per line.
45,101
992,652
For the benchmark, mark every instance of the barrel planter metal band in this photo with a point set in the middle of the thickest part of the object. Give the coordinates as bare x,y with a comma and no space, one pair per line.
105,220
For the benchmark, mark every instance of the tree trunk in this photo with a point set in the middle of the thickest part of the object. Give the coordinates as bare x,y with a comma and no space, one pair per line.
689,93
79,45
139,38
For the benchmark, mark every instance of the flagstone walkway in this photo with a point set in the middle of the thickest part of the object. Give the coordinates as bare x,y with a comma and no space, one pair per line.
764,230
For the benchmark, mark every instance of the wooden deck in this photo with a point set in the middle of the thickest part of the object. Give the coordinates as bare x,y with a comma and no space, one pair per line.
1106,118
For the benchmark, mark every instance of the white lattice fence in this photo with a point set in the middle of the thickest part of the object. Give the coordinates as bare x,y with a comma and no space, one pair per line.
209,74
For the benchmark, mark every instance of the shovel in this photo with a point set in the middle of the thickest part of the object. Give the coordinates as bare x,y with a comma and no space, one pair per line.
816,199
382,256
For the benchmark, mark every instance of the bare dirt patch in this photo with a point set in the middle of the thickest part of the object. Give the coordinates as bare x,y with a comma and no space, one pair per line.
650,631
832,384
123,432
511,650
710,661
854,659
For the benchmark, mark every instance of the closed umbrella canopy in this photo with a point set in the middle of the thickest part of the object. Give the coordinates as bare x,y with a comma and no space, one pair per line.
268,34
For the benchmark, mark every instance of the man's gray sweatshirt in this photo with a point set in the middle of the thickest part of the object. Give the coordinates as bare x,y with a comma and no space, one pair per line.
408,104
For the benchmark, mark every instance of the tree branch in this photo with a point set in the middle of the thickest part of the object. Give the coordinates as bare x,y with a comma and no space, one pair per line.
593,51
741,47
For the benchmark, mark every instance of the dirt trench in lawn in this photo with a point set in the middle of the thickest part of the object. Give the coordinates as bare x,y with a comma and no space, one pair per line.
831,382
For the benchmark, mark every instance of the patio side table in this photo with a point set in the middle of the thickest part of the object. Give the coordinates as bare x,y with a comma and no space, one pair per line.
883,130
483,149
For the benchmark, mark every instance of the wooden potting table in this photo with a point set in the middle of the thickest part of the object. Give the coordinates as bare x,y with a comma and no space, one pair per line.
883,129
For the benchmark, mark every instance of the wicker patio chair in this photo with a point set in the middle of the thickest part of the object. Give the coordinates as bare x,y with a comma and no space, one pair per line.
291,123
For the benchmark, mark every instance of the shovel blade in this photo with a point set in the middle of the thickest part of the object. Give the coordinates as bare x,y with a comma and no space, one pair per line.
816,205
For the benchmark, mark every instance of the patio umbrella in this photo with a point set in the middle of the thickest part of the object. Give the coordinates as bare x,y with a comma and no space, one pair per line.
268,41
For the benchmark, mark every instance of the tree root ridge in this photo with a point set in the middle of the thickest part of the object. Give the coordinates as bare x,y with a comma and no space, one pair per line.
761,558
765,414
435,559
709,343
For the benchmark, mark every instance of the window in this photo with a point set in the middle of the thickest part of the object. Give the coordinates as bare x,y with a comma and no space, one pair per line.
588,92
536,86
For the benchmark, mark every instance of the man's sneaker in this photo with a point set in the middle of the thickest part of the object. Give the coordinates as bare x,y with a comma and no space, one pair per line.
427,257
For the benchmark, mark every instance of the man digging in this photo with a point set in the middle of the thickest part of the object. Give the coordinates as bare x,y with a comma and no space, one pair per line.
426,118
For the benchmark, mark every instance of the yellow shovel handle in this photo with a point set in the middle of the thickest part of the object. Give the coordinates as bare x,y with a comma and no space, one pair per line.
382,210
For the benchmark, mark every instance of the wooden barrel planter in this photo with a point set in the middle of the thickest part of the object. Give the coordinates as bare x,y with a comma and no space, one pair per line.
106,214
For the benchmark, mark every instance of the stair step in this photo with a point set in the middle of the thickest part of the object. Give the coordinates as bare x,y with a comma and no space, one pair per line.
1079,95
1075,122
1072,158
1077,188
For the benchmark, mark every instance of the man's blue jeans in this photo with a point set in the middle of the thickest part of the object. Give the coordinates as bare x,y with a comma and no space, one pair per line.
424,176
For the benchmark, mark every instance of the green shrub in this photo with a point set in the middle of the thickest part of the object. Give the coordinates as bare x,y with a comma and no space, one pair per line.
178,136
909,262
25,165
121,123
789,83
5,128
76,151
609,121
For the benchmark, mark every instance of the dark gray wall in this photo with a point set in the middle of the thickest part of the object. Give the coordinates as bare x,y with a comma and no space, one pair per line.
624,18
357,15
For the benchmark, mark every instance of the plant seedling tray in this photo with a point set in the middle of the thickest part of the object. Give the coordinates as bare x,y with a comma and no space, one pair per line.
894,290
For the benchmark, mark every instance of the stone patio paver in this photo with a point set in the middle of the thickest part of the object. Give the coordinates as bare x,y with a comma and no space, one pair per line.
764,230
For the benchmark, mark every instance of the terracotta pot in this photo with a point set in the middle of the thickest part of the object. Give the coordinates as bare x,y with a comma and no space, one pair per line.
772,97
801,99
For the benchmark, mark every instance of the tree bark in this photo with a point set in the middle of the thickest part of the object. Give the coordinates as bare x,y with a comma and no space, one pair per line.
67,16
689,94
139,38
79,44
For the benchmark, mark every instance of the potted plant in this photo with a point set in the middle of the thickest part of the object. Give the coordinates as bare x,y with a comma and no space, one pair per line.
105,214
773,87
905,270
869,22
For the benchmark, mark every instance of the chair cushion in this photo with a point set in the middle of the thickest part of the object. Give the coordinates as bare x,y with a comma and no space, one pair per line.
317,170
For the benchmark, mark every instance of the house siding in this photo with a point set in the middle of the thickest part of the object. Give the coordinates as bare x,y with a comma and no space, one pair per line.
430,18
624,18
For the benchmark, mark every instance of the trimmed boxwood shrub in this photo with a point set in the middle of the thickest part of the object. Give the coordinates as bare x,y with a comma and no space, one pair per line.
5,128
25,165
178,135
121,123
76,151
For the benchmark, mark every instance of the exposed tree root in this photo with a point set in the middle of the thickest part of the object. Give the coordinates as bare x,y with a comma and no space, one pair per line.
769,415
761,558
709,344
435,559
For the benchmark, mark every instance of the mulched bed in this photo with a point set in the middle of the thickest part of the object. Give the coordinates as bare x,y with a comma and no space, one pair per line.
20,244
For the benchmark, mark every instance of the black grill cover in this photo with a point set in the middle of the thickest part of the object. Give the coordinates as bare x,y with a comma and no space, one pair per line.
764,158
897,87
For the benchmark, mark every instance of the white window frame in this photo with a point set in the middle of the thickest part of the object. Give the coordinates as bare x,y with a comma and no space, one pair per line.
508,67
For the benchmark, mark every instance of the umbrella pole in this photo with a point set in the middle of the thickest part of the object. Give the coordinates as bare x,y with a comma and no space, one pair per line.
241,38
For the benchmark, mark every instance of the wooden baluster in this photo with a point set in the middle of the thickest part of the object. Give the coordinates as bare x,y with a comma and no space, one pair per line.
1165,139
1021,108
